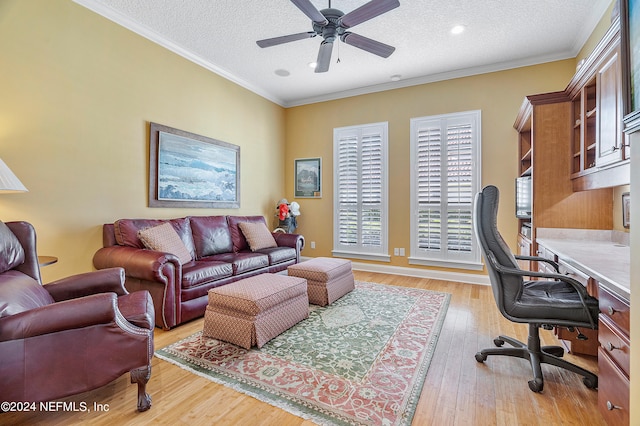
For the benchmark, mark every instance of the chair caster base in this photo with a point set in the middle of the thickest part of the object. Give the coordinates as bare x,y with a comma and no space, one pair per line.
536,385
590,382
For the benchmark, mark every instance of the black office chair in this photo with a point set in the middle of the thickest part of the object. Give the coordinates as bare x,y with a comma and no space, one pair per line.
554,300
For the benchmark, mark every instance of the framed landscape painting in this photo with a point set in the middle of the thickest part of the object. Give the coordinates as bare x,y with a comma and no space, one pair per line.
189,170
308,177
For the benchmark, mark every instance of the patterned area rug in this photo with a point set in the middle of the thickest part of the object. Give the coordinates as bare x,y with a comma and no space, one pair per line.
361,360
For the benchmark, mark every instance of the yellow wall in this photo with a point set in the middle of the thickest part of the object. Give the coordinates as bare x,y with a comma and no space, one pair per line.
309,133
78,92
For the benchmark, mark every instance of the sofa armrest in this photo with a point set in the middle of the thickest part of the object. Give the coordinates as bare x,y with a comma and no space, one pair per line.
295,241
66,315
138,263
104,281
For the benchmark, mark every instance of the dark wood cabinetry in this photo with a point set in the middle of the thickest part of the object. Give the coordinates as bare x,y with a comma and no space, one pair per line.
576,341
573,146
609,136
599,148
583,138
614,358
599,264
544,131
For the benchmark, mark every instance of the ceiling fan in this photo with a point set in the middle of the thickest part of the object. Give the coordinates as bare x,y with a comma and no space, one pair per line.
333,23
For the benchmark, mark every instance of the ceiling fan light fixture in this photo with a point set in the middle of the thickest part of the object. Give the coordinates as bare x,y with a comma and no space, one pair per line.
396,77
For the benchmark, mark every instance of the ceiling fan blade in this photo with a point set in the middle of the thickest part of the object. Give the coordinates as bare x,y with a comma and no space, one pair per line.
367,11
310,10
324,56
268,42
365,43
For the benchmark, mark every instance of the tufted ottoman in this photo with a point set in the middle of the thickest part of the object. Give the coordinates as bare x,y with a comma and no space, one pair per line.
328,279
254,310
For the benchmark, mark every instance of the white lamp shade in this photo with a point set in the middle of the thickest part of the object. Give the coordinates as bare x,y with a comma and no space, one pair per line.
9,182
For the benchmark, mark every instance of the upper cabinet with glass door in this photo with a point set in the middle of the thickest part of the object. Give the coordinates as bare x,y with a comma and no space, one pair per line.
599,151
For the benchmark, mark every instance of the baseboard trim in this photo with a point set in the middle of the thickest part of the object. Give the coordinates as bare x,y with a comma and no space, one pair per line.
480,279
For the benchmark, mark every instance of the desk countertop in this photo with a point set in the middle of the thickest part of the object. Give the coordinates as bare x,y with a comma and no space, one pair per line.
604,260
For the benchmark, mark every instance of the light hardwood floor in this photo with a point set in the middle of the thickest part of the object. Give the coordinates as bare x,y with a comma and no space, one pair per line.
457,391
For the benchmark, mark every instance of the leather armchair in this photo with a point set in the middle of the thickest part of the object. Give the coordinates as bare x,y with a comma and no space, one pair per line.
69,336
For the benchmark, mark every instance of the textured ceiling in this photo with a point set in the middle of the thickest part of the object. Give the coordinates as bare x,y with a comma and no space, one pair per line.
221,34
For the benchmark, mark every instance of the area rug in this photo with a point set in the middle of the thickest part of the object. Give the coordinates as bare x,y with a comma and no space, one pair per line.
361,360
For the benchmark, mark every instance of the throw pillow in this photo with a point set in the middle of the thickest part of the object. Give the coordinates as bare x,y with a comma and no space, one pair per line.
165,239
11,251
257,235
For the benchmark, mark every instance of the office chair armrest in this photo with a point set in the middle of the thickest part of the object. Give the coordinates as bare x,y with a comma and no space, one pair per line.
515,271
577,285
539,259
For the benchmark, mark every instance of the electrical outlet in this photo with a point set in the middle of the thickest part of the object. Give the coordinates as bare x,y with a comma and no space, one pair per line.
313,244
396,252
401,251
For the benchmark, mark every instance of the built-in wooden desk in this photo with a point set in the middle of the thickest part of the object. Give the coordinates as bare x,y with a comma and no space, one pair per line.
605,259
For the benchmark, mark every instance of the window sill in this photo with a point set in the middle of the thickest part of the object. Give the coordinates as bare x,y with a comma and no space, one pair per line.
473,266
362,256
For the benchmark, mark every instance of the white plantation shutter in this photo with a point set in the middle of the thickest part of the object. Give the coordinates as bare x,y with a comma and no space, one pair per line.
445,172
429,163
348,180
360,191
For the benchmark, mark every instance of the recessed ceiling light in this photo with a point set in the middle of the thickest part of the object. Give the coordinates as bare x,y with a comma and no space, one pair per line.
457,29
282,73
396,77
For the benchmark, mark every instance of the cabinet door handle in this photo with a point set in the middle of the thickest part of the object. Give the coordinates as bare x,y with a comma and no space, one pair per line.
610,406
610,310
611,347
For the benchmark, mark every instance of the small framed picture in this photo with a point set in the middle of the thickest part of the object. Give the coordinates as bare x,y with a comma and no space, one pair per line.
626,204
308,177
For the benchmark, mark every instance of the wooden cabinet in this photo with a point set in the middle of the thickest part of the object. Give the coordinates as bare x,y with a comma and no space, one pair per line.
598,267
599,149
614,358
579,341
610,147
572,145
583,138
544,131
576,341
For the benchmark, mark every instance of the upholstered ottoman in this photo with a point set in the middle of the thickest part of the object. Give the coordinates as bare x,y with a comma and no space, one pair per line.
328,279
254,310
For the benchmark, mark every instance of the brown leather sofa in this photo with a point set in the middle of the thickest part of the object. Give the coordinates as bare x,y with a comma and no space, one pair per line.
69,336
220,255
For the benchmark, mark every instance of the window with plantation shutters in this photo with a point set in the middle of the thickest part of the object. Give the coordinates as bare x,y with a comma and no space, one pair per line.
445,176
360,191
